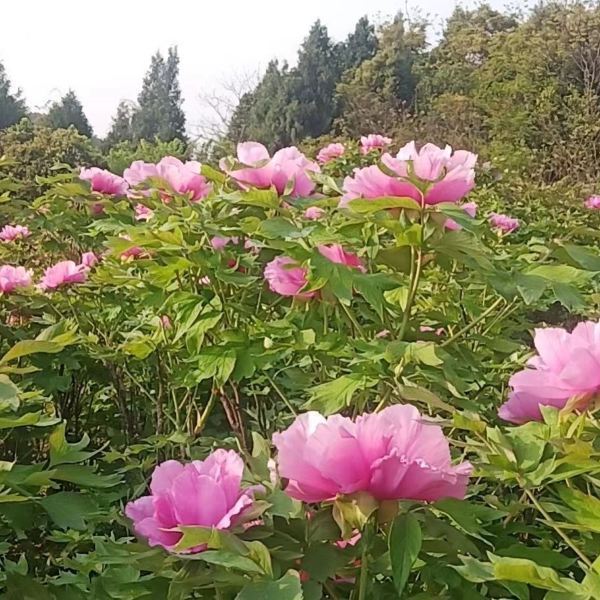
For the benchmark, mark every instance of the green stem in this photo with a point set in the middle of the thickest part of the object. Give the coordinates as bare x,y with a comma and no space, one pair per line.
558,530
206,412
415,276
364,573
281,395
353,320
473,323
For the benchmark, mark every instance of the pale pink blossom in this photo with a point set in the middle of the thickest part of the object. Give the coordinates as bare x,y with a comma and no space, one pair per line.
89,259
336,254
12,278
288,170
104,182
286,277
219,242
503,223
392,455
374,141
313,213
566,367
10,233
593,203
166,322
330,152
204,493
430,175
62,274
427,329
142,212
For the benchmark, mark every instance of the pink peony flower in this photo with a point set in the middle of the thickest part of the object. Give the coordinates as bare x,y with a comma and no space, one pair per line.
336,254
330,152
313,213
219,243
183,178
89,259
143,213
10,233
288,166
374,141
566,367
12,278
392,455
63,273
203,493
104,182
503,223
443,175
427,329
593,203
470,208
166,322
286,277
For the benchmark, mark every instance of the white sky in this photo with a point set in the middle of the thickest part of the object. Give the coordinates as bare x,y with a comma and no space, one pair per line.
102,49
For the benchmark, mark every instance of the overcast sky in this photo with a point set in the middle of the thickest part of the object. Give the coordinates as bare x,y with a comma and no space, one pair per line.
102,49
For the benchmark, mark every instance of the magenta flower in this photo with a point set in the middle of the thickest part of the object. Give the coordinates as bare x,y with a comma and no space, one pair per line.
288,168
89,259
503,223
593,203
392,455
374,141
566,367
336,254
313,213
330,152
286,277
10,233
432,173
470,208
12,278
63,273
104,182
143,213
203,493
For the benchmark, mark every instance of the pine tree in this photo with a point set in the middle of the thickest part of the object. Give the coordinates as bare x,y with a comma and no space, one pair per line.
12,105
121,127
359,46
69,111
159,113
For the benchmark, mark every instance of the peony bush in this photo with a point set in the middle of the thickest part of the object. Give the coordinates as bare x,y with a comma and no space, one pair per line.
345,377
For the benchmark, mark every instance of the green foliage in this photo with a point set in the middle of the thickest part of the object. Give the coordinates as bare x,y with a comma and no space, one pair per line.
68,112
121,155
12,105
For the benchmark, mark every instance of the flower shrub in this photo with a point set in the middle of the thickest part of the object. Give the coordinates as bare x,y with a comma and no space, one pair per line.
323,377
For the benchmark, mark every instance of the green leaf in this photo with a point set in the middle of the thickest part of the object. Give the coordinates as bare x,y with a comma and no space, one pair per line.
217,362
332,396
26,347
62,451
530,287
229,560
84,475
286,588
9,394
559,273
69,510
367,207
31,418
404,542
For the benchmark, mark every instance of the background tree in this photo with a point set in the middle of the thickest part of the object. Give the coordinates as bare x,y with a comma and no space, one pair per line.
121,129
12,105
67,112
159,114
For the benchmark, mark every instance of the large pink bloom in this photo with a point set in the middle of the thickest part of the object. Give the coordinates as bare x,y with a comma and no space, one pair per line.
286,277
63,273
504,223
203,493
593,203
392,455
10,233
12,278
445,176
288,168
374,141
330,152
567,366
183,178
104,182
336,254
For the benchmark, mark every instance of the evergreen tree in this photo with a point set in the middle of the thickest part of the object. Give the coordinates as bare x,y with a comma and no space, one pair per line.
159,114
359,46
121,127
69,111
12,105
